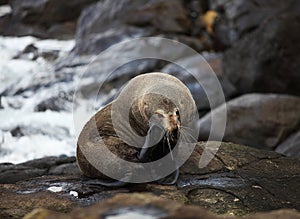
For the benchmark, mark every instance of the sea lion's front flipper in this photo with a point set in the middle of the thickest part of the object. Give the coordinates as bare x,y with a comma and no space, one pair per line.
110,183
170,179
106,183
154,135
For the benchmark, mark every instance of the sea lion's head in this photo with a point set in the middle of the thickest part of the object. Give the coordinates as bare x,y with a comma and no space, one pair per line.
160,110
160,119
161,113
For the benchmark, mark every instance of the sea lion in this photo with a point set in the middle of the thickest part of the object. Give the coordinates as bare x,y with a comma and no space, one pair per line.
143,124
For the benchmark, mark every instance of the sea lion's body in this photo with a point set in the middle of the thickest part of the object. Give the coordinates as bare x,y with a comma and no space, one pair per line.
106,126
110,140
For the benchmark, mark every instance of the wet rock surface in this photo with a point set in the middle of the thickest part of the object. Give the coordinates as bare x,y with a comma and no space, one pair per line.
270,118
239,180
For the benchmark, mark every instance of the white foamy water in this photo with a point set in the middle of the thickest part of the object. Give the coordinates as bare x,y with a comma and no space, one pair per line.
48,133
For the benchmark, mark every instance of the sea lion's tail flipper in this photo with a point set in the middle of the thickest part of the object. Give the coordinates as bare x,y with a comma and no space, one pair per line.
110,183
154,135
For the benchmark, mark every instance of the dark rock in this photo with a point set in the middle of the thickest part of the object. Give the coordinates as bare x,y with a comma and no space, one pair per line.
44,18
10,173
109,22
48,162
65,169
258,120
53,82
42,91
4,2
98,72
54,132
17,132
113,68
204,70
65,30
236,19
239,180
1,107
31,52
146,205
267,59
18,203
290,146
58,103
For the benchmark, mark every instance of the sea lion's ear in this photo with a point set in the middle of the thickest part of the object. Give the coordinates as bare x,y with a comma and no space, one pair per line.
154,135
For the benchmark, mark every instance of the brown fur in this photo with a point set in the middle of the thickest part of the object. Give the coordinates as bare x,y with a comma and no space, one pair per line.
141,110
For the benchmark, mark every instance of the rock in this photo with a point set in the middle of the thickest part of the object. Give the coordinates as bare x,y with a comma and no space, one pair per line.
29,130
48,162
117,65
204,71
148,206
236,19
43,18
4,2
138,205
31,52
267,59
109,22
258,120
56,103
65,169
108,73
47,90
290,146
239,180
24,202
97,77
10,173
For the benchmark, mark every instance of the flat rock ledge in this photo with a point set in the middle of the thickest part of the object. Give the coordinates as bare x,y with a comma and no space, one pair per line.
238,181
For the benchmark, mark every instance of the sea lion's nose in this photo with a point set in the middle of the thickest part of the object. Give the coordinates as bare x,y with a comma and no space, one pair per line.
173,123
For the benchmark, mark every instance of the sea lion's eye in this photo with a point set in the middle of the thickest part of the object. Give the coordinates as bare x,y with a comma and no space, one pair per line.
177,112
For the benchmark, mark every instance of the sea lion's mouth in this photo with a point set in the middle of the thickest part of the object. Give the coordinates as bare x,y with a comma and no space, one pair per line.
159,142
165,146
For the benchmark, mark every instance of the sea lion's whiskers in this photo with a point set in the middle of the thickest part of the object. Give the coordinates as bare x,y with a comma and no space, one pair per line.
172,136
164,142
170,148
184,136
188,135
168,134
187,128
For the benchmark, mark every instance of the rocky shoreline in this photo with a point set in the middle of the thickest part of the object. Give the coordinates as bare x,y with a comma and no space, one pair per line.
239,181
